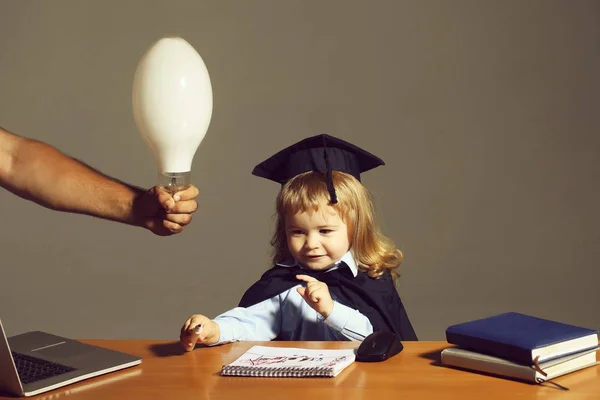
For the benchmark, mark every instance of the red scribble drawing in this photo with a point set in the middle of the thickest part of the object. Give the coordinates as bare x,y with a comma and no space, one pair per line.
293,359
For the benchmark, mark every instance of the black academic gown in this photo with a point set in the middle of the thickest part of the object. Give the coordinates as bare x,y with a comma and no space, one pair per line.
377,299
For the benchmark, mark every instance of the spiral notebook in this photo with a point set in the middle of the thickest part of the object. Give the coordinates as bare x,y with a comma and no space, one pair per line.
265,361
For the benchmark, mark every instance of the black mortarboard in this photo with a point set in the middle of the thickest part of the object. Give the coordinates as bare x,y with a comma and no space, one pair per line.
317,153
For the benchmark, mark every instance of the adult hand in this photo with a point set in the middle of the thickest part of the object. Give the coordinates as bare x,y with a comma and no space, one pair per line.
163,214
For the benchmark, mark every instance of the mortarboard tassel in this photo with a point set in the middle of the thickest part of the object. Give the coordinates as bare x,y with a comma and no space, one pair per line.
328,175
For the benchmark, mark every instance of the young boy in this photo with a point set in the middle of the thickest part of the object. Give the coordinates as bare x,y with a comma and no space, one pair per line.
334,271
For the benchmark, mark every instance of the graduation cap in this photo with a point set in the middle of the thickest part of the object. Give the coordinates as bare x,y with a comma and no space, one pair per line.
317,153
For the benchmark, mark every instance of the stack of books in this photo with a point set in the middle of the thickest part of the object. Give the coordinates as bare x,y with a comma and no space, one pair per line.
520,346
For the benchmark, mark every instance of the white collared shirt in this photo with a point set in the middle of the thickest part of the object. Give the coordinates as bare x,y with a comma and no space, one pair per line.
288,316
348,258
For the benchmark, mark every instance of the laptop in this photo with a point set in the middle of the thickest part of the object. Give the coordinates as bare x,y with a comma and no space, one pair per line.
36,362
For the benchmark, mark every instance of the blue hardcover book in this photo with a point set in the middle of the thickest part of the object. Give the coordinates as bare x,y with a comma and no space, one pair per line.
521,338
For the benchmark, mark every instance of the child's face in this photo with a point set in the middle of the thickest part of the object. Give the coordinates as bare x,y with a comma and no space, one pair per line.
317,239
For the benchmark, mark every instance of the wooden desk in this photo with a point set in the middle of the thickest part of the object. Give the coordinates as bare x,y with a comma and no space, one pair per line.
168,373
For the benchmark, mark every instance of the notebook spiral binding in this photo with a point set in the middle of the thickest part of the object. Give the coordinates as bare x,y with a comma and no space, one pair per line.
277,371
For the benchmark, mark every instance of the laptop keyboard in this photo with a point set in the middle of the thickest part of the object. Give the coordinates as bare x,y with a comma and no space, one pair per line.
33,369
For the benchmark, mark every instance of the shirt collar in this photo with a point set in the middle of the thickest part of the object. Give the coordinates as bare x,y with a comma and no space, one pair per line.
348,258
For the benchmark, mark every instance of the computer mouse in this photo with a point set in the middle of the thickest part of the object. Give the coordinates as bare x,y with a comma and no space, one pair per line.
379,346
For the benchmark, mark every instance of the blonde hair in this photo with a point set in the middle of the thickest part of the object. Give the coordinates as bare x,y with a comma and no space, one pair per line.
373,251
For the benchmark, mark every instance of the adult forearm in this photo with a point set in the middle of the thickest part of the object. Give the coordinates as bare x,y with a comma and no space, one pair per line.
40,173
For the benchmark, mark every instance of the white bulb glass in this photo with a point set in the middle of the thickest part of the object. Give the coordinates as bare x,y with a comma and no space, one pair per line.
172,107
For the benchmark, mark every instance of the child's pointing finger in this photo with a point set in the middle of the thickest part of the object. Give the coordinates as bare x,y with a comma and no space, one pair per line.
306,278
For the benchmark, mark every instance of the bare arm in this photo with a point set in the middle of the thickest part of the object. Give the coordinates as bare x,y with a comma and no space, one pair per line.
38,172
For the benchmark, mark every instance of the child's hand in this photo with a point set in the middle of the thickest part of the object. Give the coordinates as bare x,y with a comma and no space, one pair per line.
316,294
199,329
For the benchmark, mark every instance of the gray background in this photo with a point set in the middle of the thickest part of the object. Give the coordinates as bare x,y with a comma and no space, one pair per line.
486,113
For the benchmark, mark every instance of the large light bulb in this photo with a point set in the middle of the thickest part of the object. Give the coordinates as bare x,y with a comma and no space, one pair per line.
172,107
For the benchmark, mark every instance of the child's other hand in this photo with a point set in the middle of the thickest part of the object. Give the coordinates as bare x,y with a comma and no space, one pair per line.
209,333
316,294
